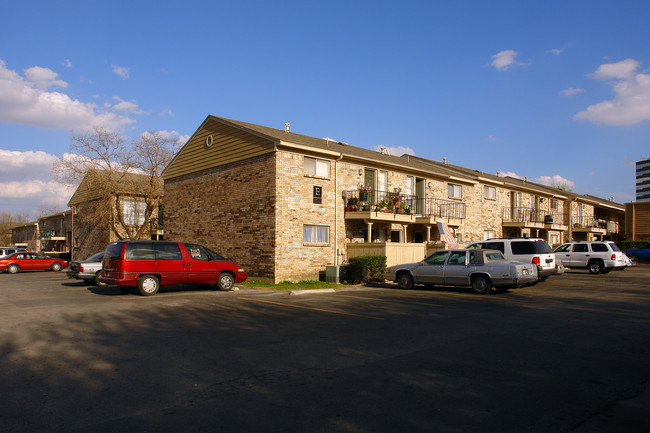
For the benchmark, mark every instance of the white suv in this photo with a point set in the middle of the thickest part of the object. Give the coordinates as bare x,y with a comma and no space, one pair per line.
524,250
593,255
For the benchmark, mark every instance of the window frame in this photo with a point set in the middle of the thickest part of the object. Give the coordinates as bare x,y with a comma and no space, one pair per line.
315,234
317,162
493,195
451,190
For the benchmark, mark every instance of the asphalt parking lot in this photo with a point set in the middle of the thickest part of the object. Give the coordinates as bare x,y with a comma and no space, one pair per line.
571,354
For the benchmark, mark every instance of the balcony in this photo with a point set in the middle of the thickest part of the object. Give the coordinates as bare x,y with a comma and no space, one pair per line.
525,217
398,207
52,235
589,224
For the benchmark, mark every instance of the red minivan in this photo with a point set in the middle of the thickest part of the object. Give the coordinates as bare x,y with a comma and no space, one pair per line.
147,265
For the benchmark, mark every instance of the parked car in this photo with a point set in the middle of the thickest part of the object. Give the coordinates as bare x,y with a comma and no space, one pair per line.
147,265
88,270
7,251
596,256
29,261
636,254
525,250
479,268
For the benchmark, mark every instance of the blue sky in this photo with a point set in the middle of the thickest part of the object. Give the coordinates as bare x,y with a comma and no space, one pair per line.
557,91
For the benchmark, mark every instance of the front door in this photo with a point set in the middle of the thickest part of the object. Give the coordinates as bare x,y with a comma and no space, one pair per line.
432,268
457,269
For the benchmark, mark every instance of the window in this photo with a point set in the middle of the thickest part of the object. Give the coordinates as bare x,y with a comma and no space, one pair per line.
554,204
166,251
599,248
316,167
134,212
490,192
315,234
580,248
453,190
409,186
555,239
457,258
488,234
437,258
383,181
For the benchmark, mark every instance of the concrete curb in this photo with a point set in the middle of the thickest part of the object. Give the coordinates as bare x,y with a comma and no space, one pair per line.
304,292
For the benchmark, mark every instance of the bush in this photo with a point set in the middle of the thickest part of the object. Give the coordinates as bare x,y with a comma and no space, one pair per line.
367,268
627,245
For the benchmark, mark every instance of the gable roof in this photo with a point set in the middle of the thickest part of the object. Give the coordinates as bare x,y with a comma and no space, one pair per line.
92,187
274,139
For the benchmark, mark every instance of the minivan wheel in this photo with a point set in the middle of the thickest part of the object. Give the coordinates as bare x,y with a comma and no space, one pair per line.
595,266
481,285
225,281
148,285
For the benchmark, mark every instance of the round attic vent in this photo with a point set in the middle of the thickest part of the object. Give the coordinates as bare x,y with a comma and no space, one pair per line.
208,141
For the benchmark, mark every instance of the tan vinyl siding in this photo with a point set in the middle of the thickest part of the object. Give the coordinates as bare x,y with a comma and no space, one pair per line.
228,145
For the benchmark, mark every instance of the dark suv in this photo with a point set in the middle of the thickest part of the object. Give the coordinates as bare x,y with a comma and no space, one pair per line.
147,265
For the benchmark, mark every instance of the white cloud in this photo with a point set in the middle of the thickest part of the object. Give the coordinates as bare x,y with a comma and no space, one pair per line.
67,63
126,106
396,150
571,91
24,101
504,59
121,71
555,180
555,51
492,138
44,78
631,103
15,164
38,191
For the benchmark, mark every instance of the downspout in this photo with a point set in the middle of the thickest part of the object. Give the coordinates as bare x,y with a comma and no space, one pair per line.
336,213
72,233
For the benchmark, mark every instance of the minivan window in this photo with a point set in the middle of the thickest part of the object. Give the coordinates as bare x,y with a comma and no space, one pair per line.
168,251
140,251
114,250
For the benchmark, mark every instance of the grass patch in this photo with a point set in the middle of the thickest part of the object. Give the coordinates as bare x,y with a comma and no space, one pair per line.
303,285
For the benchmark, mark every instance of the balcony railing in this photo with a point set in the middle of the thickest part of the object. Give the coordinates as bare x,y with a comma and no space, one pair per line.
589,222
391,201
532,216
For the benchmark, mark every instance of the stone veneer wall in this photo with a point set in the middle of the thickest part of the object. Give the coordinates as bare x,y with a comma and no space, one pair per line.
230,209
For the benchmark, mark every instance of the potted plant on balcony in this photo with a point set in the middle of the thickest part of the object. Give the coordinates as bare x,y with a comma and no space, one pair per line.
397,197
352,205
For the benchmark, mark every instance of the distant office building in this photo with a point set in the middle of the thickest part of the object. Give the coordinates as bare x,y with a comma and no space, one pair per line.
643,180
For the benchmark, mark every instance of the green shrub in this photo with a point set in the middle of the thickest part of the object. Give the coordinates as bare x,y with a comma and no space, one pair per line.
627,245
366,268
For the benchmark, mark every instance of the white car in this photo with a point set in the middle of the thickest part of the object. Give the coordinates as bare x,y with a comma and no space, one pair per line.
524,250
596,256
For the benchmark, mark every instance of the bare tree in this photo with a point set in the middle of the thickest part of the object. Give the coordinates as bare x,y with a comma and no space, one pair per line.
9,221
117,182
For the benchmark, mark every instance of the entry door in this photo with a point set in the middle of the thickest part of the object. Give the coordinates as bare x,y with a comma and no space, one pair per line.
579,255
457,270
432,269
419,192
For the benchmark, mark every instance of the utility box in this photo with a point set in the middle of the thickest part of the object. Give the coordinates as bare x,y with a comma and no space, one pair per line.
335,274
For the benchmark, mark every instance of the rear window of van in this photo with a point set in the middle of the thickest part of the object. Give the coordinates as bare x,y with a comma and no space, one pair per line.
530,247
114,250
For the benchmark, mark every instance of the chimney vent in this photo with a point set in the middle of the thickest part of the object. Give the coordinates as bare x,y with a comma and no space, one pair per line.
286,127
444,160
383,150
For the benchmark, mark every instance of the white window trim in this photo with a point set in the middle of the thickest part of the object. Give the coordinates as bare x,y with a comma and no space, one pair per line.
460,190
316,238
321,167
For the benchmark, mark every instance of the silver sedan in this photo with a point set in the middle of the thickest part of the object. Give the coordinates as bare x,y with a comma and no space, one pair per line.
480,269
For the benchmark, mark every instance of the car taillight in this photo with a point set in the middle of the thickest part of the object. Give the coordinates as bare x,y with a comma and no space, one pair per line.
81,268
613,257
535,261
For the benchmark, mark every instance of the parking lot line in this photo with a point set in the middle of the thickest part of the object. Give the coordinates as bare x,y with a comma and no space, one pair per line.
312,308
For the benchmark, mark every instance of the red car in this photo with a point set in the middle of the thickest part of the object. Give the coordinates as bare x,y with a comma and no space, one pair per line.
147,265
31,262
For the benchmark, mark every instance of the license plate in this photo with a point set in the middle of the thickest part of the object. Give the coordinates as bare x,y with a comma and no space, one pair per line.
525,271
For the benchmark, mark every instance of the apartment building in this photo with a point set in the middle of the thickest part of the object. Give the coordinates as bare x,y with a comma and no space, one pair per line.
286,205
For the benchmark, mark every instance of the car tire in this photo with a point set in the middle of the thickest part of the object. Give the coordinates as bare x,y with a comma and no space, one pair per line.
148,285
405,281
225,281
633,258
55,267
12,268
96,280
595,266
481,285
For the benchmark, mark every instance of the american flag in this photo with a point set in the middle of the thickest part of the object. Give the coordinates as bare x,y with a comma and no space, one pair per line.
447,235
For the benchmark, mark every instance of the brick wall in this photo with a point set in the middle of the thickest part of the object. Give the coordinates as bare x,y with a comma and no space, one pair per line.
230,209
